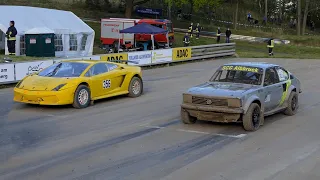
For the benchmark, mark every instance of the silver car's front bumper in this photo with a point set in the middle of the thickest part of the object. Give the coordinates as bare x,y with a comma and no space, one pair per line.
212,108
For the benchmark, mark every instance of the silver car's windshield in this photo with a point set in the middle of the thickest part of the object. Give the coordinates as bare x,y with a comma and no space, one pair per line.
238,74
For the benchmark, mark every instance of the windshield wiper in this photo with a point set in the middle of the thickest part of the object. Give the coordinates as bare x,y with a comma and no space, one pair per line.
54,71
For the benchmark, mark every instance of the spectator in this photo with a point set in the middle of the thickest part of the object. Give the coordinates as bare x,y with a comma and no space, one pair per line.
11,36
271,46
190,30
218,35
228,34
198,29
249,16
186,40
264,20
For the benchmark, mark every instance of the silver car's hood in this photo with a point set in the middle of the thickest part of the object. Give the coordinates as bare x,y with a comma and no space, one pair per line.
224,89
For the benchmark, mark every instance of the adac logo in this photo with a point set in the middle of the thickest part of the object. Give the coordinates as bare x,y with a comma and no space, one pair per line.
181,53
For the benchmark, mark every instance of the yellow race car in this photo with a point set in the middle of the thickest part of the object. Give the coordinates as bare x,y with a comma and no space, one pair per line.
79,83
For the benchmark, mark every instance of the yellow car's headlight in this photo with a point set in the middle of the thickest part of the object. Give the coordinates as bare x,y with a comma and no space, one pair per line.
58,87
187,98
234,102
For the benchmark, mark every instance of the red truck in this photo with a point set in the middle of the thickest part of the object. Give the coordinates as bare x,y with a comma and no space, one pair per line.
110,32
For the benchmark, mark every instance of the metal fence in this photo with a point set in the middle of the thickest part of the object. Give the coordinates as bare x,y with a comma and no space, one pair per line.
13,72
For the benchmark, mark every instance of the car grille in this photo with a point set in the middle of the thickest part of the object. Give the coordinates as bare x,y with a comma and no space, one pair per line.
209,101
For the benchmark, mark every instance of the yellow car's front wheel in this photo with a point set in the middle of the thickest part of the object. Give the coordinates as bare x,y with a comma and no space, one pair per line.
82,97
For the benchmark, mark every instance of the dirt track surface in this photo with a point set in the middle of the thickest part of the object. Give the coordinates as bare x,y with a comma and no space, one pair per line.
143,138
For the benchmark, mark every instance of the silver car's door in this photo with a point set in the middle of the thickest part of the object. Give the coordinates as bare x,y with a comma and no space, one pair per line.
284,79
273,89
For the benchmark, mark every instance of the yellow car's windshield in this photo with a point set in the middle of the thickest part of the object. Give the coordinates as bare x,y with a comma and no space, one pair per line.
64,69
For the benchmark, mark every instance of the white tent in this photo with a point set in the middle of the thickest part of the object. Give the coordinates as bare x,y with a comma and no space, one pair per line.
73,37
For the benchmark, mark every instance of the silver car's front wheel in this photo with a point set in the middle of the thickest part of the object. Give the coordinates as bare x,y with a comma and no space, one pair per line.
253,118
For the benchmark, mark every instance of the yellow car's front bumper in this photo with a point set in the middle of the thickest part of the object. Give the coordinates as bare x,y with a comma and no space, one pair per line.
62,97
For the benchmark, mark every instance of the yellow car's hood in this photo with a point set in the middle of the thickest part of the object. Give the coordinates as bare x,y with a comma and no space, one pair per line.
40,83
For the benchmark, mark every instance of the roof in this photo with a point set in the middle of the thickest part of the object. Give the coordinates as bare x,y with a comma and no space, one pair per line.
263,65
81,61
40,30
27,18
158,21
144,29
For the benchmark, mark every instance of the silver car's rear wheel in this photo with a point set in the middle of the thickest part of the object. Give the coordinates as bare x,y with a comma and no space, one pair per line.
293,104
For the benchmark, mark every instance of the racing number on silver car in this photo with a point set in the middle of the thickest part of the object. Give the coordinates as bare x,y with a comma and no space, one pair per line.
106,84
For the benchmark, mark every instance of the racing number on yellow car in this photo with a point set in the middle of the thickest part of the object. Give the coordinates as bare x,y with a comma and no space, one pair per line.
106,84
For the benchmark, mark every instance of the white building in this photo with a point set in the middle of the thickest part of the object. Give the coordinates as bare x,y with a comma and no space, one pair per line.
73,37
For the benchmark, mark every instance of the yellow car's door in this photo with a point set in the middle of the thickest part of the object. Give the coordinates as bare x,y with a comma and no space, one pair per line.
98,81
116,76
105,79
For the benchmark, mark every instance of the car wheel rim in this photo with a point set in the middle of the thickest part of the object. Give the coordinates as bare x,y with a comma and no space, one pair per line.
83,97
256,117
294,103
136,87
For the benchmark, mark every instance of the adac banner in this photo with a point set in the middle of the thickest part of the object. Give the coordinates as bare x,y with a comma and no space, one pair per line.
115,57
180,54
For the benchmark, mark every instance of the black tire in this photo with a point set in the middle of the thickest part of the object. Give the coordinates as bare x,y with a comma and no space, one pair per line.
135,81
186,118
77,101
253,118
293,104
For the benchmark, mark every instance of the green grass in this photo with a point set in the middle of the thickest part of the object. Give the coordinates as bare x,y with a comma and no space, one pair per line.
246,49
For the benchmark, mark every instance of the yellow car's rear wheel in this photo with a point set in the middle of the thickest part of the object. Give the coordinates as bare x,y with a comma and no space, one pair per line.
82,97
135,87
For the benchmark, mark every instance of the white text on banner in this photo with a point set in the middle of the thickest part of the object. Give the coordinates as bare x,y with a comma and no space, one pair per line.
6,73
24,69
162,55
140,58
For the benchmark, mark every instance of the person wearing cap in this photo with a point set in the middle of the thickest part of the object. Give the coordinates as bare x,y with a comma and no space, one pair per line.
218,35
11,38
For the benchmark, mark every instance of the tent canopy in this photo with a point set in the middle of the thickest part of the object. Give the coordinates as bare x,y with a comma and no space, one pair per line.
74,37
27,18
143,29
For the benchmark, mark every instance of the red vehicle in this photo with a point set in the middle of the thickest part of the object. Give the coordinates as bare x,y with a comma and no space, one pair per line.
110,33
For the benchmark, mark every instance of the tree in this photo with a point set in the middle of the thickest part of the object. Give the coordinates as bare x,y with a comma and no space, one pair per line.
305,16
130,4
299,18
266,8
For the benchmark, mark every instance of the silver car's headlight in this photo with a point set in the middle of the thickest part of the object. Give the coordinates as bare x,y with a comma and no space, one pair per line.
187,98
234,102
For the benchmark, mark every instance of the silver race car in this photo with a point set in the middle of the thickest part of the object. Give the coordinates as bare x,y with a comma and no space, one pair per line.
242,92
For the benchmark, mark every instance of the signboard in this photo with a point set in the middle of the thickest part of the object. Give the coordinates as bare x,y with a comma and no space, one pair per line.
48,41
114,57
24,69
163,55
33,41
6,73
142,10
180,54
140,58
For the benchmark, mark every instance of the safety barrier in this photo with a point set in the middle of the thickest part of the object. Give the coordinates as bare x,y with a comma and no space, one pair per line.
13,72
